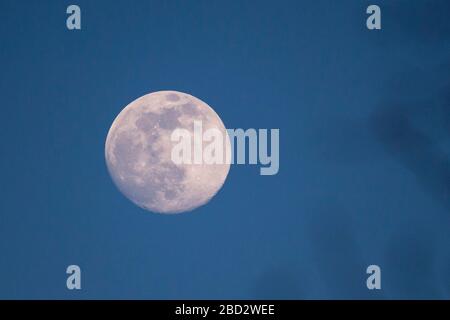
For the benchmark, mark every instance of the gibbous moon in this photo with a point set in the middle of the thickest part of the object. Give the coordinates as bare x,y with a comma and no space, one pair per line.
138,153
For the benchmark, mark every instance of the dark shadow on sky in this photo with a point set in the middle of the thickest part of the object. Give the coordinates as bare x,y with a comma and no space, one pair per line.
413,126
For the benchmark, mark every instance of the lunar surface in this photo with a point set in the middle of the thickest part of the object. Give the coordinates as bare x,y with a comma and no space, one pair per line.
138,153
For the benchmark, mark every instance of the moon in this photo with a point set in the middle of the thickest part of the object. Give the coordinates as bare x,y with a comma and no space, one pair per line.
138,153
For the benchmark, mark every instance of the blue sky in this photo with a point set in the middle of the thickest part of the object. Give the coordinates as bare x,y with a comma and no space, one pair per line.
364,149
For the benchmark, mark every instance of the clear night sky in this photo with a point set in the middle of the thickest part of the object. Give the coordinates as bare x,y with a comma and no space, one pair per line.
364,121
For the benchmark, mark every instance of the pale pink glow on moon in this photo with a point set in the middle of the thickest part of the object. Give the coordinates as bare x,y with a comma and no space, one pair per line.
138,153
